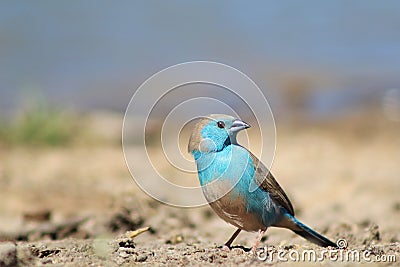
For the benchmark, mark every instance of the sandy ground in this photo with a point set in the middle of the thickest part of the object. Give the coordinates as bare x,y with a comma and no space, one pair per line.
75,206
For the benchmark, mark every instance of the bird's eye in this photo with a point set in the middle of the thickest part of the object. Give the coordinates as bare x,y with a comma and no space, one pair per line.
221,124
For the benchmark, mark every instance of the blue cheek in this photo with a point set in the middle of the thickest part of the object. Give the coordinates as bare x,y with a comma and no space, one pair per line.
217,135
196,154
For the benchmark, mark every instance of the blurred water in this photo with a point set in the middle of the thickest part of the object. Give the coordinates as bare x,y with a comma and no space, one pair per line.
94,54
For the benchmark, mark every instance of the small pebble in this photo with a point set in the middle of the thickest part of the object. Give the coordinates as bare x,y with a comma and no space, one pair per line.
176,239
8,254
123,254
120,260
126,242
127,250
141,258
47,261
237,251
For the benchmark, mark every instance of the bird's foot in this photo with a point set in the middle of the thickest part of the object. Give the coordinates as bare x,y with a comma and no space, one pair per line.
228,244
226,248
260,235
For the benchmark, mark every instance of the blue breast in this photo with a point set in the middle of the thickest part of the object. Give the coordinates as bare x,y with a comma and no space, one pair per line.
233,164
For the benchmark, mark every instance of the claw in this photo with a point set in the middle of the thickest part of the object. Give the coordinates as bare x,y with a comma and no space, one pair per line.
226,248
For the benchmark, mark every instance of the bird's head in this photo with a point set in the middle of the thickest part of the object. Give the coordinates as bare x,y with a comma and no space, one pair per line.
214,132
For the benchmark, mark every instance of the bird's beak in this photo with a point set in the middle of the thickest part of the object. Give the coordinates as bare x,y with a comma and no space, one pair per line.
238,125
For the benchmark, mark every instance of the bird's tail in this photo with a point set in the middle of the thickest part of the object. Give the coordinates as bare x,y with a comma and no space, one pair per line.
303,230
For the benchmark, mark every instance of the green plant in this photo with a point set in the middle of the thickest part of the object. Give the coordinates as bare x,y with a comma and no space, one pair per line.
40,125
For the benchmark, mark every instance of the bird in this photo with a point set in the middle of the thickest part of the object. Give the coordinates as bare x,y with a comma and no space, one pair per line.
238,186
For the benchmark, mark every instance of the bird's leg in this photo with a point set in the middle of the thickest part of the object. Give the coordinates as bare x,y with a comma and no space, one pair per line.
260,235
229,242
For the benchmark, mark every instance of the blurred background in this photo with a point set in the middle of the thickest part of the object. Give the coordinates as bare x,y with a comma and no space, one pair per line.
330,71
327,59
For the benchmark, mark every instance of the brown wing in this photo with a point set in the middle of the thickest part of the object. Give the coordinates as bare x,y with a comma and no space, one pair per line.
268,183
